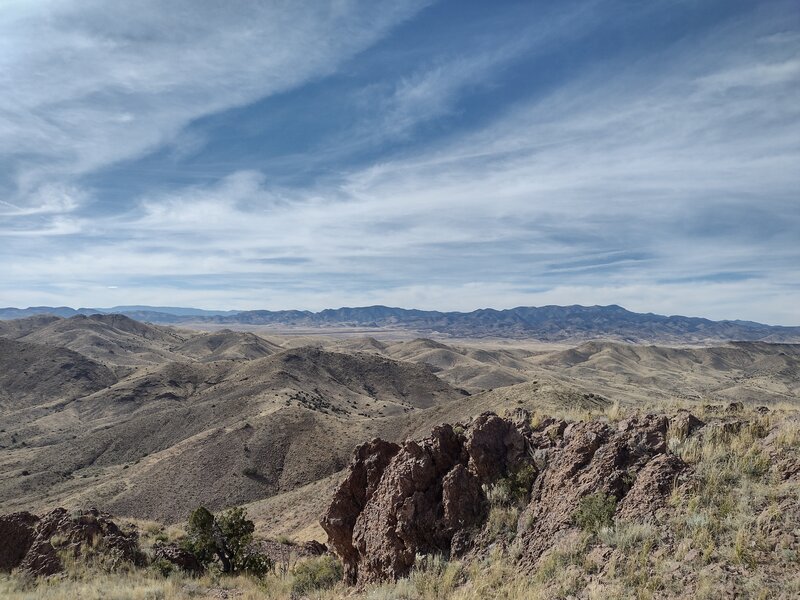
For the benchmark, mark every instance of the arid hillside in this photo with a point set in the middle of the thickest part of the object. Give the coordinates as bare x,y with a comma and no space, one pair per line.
149,421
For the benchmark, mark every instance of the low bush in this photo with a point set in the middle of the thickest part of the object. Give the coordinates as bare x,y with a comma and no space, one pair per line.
595,511
318,573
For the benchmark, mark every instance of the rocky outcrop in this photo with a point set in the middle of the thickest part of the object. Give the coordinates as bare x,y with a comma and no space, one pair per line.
16,533
587,458
430,496
684,424
419,496
366,469
651,488
37,544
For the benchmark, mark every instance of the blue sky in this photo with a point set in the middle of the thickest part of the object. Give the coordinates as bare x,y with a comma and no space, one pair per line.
445,155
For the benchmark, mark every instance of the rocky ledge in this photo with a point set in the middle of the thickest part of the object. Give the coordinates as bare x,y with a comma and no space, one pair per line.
432,496
39,544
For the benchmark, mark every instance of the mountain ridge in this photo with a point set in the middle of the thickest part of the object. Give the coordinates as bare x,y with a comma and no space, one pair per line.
547,323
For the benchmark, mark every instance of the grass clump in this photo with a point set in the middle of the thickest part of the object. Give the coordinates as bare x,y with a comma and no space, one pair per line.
627,536
315,574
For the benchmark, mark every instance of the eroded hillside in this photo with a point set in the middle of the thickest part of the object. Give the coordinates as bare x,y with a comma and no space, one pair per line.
149,421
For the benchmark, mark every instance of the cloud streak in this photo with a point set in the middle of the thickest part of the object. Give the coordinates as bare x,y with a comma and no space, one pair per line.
87,84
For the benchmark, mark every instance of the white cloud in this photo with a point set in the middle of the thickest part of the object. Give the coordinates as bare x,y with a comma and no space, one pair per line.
48,198
87,83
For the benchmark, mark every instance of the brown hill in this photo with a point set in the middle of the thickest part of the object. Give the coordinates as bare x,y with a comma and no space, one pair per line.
164,439
175,418
473,369
31,374
742,371
110,339
227,345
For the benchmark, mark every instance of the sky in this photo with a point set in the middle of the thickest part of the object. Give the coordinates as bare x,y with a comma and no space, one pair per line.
444,155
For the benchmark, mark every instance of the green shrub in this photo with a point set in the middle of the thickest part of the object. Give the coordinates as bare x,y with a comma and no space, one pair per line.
227,537
513,490
502,522
163,567
316,574
595,511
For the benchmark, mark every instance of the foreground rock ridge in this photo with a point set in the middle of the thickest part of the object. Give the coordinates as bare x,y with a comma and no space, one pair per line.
39,545
432,496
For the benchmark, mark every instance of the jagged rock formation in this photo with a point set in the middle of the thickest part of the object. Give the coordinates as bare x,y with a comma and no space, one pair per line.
430,496
36,545
400,500
627,461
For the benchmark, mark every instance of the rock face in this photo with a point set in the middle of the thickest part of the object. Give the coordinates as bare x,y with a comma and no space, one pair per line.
429,496
627,461
16,533
36,544
366,469
400,501
183,559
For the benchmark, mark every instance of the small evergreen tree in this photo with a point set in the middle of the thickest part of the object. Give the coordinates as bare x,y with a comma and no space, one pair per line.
227,537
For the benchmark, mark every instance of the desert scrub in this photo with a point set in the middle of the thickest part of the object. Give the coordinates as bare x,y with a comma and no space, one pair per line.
434,577
506,498
314,574
595,511
227,538
514,489
558,567
502,523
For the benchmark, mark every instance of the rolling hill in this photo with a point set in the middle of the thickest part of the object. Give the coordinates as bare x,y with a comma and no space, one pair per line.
149,421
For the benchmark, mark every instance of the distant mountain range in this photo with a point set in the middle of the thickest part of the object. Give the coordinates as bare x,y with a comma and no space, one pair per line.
548,323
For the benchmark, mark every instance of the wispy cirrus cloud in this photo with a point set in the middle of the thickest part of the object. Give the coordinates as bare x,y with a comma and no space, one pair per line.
87,84
662,178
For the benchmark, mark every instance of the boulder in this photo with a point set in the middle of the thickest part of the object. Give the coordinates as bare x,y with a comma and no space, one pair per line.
684,424
16,533
313,548
734,407
181,558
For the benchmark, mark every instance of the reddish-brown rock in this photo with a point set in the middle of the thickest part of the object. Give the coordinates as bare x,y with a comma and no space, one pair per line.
37,542
590,457
366,469
653,485
684,424
428,496
16,533
430,491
